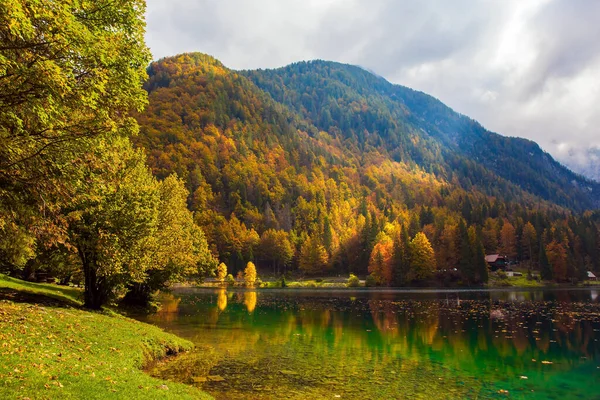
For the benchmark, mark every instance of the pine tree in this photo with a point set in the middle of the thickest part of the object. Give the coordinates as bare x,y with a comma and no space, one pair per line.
545,270
465,262
401,258
481,266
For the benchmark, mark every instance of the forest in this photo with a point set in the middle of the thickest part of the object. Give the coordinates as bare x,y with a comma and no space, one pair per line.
127,175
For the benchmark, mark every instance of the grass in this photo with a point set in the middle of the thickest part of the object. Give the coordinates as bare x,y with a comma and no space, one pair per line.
517,281
53,350
72,296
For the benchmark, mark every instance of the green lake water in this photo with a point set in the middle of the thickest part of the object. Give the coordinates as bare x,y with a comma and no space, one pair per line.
299,344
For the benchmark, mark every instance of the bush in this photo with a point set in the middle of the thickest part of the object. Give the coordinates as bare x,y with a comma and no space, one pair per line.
319,280
353,281
370,281
283,282
501,274
229,280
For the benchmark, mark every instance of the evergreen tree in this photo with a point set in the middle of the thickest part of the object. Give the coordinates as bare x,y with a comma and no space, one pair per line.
465,262
481,266
401,258
545,269
327,235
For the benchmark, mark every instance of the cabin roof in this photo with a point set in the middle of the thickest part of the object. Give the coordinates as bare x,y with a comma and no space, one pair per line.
492,258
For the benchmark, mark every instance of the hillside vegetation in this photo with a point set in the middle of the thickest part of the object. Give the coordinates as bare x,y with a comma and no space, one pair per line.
327,168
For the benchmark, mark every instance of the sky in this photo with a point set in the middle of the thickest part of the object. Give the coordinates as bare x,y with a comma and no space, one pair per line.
527,68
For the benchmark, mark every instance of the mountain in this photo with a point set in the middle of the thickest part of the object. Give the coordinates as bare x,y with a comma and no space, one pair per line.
326,162
388,114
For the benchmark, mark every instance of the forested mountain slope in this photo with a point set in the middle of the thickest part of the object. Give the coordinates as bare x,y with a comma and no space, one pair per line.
364,107
322,166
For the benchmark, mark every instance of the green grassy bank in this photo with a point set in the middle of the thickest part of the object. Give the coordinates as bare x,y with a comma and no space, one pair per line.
52,349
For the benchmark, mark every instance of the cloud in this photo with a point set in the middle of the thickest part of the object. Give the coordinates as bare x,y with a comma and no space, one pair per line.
528,68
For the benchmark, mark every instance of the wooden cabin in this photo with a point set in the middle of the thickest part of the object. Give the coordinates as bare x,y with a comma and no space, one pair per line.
497,261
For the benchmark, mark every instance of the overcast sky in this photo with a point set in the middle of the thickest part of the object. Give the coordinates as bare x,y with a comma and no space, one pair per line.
528,68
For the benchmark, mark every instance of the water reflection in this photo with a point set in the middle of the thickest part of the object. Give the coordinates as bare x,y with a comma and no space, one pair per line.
222,299
250,299
489,339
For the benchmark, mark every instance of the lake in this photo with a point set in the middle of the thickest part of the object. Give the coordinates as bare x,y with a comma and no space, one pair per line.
385,344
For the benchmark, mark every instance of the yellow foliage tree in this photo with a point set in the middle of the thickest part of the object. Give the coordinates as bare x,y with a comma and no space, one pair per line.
250,274
422,258
221,272
313,257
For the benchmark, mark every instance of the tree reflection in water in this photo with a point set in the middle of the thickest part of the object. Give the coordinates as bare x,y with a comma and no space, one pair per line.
377,344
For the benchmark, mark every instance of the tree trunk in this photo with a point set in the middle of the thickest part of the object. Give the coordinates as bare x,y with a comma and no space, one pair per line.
95,291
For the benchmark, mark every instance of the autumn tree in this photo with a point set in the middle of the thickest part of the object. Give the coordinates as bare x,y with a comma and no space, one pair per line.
489,236
508,240
529,240
179,249
250,274
557,258
422,258
114,220
71,73
313,257
447,252
221,272
380,262
276,249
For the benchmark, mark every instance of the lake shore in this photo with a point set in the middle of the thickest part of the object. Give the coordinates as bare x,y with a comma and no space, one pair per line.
52,348
329,283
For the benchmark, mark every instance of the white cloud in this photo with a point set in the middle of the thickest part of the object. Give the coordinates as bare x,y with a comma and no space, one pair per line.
528,68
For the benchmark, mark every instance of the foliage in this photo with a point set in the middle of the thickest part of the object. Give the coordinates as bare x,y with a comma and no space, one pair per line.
380,262
179,247
557,258
230,280
71,72
276,249
329,157
353,281
114,221
545,267
313,257
422,260
250,274
370,281
221,272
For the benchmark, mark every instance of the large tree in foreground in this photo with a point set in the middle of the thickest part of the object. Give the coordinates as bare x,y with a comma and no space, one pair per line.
113,221
179,248
69,72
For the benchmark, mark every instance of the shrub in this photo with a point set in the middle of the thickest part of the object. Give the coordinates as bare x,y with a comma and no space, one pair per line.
353,281
501,274
229,280
370,281
319,280
283,282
